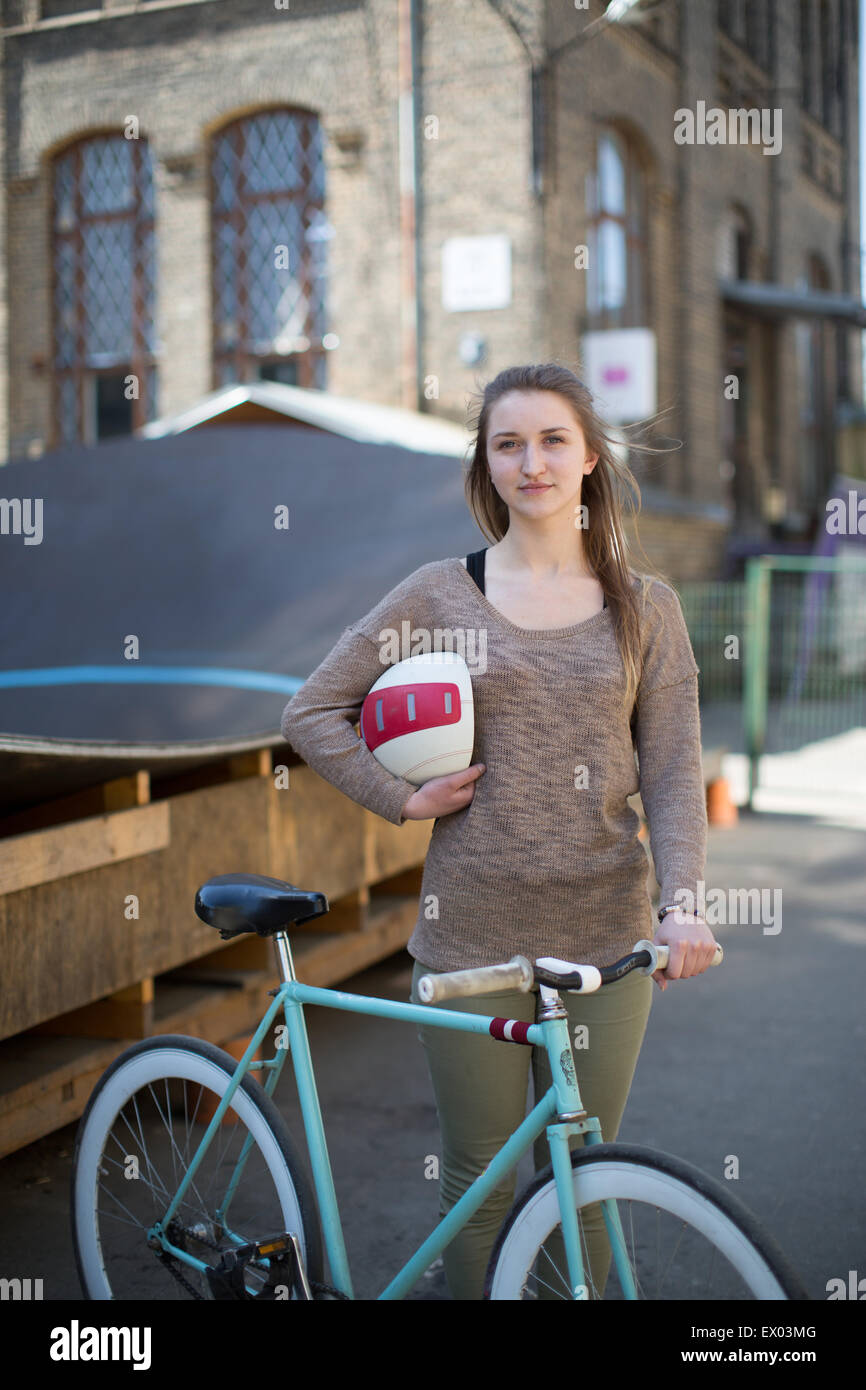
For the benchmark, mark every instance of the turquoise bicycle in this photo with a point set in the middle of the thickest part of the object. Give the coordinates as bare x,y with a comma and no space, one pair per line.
187,1184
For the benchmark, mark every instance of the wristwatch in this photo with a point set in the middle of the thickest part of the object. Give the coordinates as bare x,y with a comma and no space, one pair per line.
671,907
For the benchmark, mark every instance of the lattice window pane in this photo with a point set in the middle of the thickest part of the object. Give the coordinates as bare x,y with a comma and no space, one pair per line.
64,194
316,164
108,291
273,157
318,235
145,185
65,305
226,322
226,173
278,308
107,183
147,274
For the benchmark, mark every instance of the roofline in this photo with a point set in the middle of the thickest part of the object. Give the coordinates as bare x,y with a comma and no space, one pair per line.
366,421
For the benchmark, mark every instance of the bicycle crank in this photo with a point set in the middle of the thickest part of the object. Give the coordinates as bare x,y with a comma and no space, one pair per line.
285,1270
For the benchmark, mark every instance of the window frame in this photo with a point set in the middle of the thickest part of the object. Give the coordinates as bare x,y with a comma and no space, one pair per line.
142,360
634,221
245,365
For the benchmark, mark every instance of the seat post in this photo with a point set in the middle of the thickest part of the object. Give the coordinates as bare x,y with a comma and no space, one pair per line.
284,957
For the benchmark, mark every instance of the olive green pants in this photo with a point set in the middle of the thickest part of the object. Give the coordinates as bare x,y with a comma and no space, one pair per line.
480,1086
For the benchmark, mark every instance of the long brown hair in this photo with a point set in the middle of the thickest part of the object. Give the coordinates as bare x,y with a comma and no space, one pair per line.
608,492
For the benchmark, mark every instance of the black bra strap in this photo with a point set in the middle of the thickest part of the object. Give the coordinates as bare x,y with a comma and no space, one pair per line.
475,567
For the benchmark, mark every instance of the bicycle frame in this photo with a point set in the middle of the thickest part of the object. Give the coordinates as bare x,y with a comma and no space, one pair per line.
559,1112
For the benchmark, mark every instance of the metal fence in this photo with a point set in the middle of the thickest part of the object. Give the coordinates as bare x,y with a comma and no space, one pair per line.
784,649
714,615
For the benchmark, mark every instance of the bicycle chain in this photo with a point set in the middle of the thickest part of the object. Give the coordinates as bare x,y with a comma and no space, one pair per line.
169,1261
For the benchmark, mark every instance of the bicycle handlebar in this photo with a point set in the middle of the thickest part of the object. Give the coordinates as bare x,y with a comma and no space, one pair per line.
484,979
519,974
662,955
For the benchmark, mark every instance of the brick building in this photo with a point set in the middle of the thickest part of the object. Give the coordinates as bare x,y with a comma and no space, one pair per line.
393,199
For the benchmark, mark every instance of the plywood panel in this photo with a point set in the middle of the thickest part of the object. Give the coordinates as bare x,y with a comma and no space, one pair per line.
67,944
388,848
45,855
215,830
45,1081
326,832
128,1013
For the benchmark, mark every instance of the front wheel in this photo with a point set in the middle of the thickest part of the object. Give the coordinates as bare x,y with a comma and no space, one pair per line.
683,1236
137,1139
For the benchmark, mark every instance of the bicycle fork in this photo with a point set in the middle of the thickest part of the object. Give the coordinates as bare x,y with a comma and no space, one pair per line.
573,1120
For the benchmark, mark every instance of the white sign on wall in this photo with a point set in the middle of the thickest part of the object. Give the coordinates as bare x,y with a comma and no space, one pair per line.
619,367
476,272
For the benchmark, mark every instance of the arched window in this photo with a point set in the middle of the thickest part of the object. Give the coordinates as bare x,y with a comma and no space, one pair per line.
103,294
269,249
616,207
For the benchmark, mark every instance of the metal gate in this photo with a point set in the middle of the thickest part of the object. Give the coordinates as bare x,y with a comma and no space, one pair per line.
782,654
804,675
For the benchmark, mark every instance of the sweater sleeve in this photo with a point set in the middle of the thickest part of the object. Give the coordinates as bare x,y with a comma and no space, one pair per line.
319,719
668,740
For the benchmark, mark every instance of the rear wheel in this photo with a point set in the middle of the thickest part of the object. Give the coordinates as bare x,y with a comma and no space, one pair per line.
135,1142
684,1236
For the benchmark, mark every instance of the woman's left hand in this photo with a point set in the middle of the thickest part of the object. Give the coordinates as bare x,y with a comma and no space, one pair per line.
692,947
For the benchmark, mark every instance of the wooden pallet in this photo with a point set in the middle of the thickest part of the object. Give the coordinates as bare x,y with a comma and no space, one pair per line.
99,939
48,1072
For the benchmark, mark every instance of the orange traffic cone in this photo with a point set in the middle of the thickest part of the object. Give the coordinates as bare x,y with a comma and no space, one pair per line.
721,810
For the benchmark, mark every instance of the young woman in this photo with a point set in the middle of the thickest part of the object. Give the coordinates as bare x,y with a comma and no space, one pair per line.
534,849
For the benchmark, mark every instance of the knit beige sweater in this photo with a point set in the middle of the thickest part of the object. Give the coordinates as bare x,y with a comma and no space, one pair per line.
545,860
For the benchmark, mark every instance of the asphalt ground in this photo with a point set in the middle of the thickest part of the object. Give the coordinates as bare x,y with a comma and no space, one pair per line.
761,1058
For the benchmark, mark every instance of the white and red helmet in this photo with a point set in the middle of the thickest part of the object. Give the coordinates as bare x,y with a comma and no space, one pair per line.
418,719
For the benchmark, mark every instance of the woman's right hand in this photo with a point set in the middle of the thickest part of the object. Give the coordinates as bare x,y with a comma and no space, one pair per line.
443,795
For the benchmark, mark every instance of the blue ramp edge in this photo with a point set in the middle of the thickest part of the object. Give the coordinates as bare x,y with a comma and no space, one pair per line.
152,675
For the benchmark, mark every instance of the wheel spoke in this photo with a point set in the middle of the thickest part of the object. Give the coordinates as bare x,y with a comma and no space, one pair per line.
139,1139
679,1231
173,1149
557,1271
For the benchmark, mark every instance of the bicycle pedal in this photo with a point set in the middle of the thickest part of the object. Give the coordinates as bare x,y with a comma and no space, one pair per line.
226,1279
285,1270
